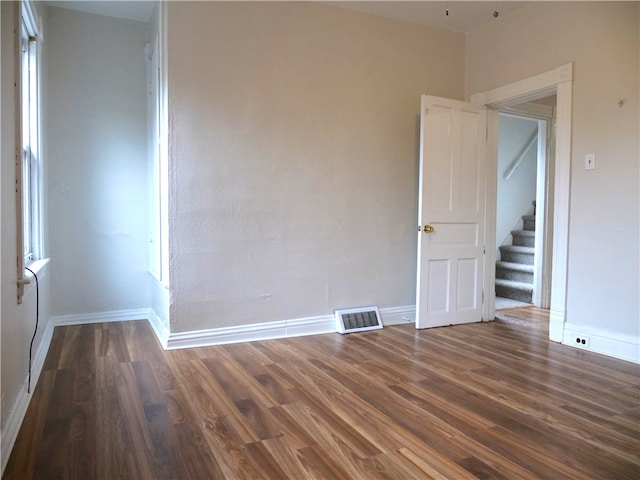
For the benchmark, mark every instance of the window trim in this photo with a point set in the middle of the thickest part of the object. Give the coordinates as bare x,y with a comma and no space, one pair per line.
28,160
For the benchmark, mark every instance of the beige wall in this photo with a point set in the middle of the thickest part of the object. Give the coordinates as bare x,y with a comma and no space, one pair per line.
294,158
601,40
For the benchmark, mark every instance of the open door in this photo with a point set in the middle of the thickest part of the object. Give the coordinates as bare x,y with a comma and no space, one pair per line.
451,212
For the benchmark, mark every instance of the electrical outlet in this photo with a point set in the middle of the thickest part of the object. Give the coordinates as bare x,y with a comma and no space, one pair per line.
582,342
590,161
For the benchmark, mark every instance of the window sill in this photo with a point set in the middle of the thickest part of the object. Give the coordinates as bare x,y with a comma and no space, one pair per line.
40,268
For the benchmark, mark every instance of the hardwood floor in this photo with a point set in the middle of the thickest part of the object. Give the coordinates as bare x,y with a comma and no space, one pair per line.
493,401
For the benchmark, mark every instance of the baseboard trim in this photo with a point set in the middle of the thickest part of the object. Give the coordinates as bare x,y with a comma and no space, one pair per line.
398,315
623,347
159,328
244,333
272,330
556,325
19,408
251,333
101,317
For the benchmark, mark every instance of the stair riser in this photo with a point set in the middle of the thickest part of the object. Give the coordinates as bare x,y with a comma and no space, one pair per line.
522,241
516,257
516,275
529,225
513,294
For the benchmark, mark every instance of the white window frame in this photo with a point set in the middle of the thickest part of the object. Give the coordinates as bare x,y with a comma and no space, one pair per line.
29,148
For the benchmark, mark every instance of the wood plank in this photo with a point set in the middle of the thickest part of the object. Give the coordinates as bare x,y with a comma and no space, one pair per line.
492,400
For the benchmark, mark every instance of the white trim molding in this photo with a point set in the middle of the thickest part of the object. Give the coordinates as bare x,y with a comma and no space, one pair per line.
253,332
623,347
159,328
101,317
19,408
524,90
398,315
223,335
272,330
560,82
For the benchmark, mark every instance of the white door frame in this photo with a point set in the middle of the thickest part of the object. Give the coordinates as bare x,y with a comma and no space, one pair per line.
557,81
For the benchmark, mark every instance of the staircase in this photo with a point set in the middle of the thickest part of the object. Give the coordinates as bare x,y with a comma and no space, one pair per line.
514,271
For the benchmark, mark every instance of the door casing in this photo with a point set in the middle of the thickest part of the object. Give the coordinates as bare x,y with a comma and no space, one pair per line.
559,82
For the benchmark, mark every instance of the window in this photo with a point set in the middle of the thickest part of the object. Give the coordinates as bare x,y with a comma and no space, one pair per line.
30,146
29,169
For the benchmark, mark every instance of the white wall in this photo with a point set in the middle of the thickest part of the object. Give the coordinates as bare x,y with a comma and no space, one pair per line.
97,163
515,194
294,158
601,39
17,321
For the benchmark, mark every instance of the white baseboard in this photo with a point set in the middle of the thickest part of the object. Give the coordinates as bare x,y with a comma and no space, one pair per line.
556,325
19,408
273,330
623,347
101,317
398,315
250,333
159,328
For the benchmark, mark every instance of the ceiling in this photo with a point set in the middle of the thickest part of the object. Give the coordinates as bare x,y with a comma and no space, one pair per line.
463,16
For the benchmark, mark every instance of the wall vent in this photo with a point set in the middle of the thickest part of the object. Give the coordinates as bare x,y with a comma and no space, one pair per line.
357,320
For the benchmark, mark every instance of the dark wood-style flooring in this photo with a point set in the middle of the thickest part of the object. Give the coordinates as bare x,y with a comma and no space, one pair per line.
493,401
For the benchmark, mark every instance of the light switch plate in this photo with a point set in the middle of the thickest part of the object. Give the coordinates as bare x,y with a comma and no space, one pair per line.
590,161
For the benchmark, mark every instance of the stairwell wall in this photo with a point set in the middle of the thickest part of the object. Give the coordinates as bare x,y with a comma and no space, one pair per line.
516,194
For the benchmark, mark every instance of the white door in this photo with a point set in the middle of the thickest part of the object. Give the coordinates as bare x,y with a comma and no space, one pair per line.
451,212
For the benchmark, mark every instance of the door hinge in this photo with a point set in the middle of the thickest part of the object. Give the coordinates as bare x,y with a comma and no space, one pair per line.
426,111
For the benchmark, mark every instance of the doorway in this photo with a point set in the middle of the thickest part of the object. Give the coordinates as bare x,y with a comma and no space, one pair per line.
524,212
558,81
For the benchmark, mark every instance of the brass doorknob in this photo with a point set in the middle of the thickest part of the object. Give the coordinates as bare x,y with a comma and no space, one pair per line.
428,229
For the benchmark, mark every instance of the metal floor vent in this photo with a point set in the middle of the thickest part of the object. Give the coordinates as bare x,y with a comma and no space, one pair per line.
357,320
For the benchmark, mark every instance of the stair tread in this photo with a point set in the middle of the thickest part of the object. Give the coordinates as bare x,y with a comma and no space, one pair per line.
522,286
517,249
524,233
520,267
528,217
